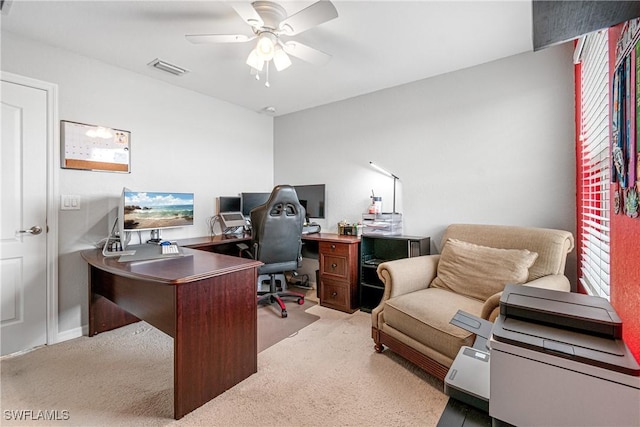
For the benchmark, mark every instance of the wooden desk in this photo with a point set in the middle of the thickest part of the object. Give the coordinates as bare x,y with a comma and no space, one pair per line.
212,243
221,243
205,301
338,258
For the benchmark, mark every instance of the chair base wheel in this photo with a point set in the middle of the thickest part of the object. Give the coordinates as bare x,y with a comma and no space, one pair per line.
274,297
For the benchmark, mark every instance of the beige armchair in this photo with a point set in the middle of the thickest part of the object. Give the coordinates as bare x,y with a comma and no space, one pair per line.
422,294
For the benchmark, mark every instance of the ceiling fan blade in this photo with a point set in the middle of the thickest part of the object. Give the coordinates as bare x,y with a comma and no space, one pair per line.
316,14
248,13
306,53
218,38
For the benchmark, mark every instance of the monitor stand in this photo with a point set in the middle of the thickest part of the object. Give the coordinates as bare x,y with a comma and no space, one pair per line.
155,237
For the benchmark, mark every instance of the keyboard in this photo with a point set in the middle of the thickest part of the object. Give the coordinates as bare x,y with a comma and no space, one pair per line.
311,229
170,249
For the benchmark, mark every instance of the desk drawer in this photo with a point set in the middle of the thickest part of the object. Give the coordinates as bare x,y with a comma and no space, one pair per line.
334,266
335,294
332,248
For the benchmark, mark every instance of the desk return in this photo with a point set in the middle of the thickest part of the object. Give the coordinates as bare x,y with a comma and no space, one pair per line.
205,301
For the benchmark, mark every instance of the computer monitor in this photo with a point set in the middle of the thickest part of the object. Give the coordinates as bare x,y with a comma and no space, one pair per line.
252,200
312,198
143,210
229,204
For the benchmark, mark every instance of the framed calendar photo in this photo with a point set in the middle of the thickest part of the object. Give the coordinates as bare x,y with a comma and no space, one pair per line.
95,148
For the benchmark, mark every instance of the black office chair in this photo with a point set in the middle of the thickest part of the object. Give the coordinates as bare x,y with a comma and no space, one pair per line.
276,240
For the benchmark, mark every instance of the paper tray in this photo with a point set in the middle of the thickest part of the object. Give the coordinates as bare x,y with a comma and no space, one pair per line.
582,313
593,350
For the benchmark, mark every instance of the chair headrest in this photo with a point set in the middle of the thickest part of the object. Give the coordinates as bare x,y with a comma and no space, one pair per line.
283,194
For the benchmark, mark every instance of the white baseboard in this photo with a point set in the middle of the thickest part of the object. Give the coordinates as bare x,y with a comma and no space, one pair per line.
72,333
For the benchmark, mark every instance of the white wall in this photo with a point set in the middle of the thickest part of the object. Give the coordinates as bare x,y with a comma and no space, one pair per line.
489,144
181,141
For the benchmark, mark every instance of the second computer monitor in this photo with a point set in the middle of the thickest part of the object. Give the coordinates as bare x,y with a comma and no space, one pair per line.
229,204
252,200
312,198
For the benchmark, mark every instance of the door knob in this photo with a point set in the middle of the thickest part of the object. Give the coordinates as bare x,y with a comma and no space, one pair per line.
35,230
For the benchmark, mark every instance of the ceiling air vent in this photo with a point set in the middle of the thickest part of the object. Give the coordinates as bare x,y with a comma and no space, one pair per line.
169,68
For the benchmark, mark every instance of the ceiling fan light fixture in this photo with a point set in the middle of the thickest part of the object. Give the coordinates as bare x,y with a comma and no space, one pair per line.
280,59
254,60
265,47
269,21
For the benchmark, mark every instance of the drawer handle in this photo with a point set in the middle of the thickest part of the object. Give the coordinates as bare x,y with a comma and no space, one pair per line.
334,294
333,247
334,265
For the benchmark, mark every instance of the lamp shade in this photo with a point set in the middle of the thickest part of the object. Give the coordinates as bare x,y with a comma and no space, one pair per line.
391,175
265,47
382,170
280,59
254,60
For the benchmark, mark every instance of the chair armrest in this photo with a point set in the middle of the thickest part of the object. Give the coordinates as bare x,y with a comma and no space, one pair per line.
403,276
245,251
556,282
407,275
491,307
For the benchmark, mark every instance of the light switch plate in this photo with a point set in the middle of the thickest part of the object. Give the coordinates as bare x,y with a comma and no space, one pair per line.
69,202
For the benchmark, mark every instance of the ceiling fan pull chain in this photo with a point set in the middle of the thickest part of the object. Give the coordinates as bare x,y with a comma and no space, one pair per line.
266,83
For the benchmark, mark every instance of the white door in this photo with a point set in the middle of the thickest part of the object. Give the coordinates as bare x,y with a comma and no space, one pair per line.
23,234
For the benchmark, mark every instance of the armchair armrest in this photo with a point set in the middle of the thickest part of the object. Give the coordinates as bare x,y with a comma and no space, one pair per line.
407,275
403,276
556,282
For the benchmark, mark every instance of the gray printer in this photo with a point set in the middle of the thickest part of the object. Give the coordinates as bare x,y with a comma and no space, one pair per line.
558,359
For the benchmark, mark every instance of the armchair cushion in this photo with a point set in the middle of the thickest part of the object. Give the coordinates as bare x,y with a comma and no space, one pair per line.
424,316
480,271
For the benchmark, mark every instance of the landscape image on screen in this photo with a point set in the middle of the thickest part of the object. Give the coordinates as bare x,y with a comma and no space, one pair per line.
144,210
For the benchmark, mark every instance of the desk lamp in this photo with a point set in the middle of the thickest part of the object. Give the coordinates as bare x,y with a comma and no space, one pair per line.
395,178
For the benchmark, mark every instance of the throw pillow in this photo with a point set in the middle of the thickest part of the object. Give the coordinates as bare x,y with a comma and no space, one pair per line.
480,271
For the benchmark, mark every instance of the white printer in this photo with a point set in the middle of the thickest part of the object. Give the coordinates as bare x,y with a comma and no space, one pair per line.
558,359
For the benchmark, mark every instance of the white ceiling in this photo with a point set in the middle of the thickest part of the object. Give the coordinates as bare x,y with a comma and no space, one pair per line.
374,44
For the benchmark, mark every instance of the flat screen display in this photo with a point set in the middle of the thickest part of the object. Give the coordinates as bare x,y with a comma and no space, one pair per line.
312,198
252,200
154,210
229,204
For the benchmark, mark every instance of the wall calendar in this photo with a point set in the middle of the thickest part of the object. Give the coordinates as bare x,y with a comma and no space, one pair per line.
97,148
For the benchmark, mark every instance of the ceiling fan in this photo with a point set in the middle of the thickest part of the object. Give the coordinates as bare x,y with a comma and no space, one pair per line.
269,23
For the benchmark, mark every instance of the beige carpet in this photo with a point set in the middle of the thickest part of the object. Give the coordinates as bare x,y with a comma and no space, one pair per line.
327,374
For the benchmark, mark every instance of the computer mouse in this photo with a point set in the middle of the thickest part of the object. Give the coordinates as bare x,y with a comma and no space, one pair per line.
165,243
